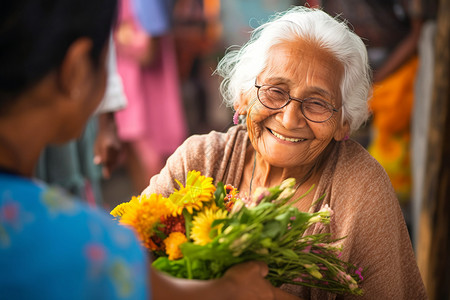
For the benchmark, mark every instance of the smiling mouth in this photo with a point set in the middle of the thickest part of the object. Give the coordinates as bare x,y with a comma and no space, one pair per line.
285,138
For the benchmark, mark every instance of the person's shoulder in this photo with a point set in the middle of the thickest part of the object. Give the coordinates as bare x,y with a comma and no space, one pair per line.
358,175
353,157
12,184
217,137
91,222
39,207
214,142
358,172
207,153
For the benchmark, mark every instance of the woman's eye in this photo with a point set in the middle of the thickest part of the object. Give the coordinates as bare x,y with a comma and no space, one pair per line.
276,92
317,102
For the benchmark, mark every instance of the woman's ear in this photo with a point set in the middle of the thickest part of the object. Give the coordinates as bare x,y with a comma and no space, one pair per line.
242,103
75,68
343,132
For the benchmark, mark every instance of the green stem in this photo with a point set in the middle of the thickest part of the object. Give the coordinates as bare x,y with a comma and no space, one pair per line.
187,223
188,267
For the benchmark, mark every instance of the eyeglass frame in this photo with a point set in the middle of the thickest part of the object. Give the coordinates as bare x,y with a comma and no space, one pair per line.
331,106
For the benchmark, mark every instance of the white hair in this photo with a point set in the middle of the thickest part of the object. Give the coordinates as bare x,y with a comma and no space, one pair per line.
239,68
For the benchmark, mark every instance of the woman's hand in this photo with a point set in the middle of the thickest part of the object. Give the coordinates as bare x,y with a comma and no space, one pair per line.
107,144
135,43
243,281
246,281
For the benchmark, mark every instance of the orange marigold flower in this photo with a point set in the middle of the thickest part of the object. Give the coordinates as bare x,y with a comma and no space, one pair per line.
173,242
145,214
232,194
168,225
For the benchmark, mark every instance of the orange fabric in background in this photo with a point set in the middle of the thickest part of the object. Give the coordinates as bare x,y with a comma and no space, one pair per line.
392,99
391,105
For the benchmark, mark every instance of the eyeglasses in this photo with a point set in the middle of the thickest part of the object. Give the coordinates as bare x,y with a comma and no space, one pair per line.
314,109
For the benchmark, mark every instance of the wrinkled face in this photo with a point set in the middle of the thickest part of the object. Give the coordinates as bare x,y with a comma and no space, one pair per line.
284,137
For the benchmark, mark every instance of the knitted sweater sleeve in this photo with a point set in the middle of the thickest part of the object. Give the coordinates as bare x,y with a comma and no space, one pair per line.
217,155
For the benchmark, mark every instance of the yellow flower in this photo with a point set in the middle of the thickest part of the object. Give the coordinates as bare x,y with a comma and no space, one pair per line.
144,213
122,208
201,224
198,189
172,243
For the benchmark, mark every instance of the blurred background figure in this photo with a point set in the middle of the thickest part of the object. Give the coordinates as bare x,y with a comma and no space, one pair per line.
153,124
71,165
198,30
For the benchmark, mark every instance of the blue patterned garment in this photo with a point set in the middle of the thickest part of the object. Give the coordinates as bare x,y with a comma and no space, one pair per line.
55,247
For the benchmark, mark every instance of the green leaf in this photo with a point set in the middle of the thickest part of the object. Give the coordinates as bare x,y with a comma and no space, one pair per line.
266,242
161,263
284,219
213,233
218,222
188,222
288,253
159,233
219,195
302,217
272,229
245,215
318,200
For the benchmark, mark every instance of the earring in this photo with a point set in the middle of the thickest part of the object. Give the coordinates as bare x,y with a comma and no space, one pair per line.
236,118
346,137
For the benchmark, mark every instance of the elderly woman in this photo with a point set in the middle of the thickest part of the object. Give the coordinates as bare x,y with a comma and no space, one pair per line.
302,83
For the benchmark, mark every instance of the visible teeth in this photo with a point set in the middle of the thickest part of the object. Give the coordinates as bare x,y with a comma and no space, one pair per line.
285,138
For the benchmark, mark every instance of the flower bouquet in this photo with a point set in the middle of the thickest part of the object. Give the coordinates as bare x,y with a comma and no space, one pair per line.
201,230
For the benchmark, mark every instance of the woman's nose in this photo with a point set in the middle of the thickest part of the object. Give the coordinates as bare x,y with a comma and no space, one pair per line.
292,116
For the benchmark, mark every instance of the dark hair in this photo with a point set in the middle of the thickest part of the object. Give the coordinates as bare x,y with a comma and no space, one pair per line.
35,36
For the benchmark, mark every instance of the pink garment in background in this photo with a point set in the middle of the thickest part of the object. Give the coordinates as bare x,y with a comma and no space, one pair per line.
154,112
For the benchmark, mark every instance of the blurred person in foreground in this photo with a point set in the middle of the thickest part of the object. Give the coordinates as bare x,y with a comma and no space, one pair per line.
301,84
79,165
52,246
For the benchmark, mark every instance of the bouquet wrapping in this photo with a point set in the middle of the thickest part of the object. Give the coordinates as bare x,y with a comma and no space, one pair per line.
202,229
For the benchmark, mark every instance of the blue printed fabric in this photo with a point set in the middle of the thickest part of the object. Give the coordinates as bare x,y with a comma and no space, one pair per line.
53,246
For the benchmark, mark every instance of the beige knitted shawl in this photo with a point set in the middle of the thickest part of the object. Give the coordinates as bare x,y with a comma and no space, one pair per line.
357,189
